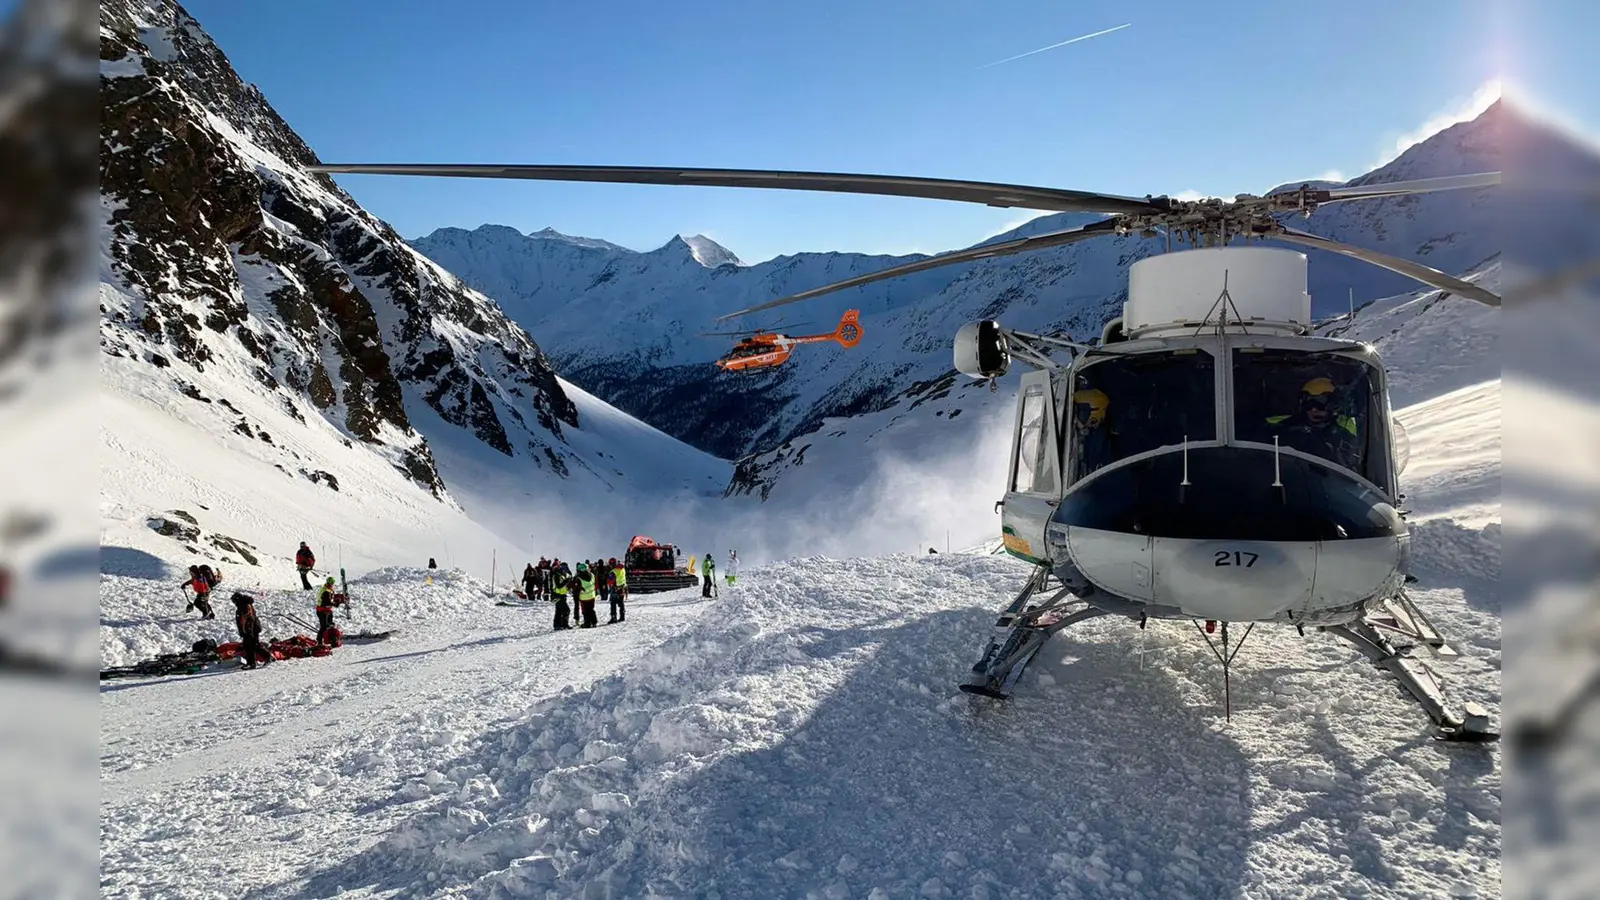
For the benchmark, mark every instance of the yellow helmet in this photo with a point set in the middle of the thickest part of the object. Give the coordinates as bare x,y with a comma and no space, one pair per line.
1318,386
1096,400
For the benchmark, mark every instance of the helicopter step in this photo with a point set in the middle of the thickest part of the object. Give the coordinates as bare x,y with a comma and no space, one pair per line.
1367,634
1023,632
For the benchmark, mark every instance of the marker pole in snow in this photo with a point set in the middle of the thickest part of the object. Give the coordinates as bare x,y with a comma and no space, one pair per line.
494,567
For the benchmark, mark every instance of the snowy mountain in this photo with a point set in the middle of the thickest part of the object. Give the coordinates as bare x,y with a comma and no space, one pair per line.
657,367
800,734
259,327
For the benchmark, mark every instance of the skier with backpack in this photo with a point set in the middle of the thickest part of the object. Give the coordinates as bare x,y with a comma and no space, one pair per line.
201,580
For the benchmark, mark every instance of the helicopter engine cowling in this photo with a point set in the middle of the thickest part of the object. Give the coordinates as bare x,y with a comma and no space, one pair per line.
980,350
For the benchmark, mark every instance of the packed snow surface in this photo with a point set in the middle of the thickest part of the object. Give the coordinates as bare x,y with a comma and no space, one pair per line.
800,735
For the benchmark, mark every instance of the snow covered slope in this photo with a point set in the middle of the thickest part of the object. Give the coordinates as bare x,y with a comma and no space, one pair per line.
626,325
801,736
280,366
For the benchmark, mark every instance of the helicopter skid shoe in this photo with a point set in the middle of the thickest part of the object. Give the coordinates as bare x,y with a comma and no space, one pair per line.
1420,683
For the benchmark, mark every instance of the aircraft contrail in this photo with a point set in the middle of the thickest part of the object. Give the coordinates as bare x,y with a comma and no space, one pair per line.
1083,37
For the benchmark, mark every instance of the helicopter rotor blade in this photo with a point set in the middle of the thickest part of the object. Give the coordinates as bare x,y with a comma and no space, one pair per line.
1422,273
986,193
1020,245
1415,186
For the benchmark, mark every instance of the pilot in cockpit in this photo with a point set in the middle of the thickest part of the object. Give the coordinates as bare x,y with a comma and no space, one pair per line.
1096,439
1319,426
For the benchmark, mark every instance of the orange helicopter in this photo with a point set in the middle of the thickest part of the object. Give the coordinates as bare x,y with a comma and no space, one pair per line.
769,349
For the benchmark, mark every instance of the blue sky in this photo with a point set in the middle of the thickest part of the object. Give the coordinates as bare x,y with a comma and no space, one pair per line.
1215,98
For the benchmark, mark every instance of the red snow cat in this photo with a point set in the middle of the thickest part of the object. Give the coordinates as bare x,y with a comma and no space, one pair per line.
653,568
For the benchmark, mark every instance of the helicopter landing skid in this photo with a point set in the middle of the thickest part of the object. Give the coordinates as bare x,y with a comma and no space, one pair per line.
1470,726
1023,632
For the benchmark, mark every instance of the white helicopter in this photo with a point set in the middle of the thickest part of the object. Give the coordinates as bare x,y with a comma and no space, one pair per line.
1206,458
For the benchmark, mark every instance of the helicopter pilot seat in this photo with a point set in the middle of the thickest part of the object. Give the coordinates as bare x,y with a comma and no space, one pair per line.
1320,426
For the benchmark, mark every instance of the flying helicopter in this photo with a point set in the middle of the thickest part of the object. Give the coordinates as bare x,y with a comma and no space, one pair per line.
1206,458
770,349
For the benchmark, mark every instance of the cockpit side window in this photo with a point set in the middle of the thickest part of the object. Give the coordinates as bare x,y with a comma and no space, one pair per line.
1030,440
1319,403
1124,406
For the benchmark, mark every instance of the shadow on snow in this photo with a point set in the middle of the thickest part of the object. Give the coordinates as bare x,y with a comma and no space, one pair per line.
887,783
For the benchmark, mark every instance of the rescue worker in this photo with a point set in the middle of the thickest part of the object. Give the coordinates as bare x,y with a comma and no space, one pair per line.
305,561
537,591
619,591
202,593
1094,439
432,564
586,592
708,571
327,633
249,625
530,582
560,590
733,566
1318,427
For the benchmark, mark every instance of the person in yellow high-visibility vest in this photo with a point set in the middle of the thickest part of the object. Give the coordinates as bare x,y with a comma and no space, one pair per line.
619,591
558,588
586,593
708,569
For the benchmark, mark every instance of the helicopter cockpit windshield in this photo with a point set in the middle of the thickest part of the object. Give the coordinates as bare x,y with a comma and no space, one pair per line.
749,348
1127,405
1323,404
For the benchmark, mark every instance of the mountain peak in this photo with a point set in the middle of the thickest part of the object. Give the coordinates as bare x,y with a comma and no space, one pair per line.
705,251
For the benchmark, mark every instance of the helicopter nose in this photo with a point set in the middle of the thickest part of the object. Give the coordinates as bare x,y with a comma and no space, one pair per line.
1235,581
1225,548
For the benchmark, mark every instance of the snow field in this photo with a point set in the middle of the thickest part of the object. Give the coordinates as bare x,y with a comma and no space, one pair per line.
231,783
804,739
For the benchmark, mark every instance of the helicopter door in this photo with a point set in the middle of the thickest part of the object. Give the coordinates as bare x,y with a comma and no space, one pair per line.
1034,486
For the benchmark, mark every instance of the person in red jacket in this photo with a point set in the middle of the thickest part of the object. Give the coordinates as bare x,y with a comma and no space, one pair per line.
304,561
202,592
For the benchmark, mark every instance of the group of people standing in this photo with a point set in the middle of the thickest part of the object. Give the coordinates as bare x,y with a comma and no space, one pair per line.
575,591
